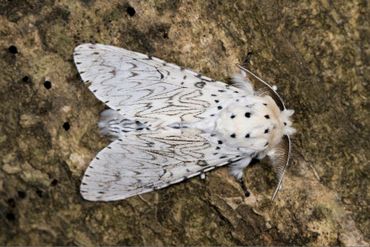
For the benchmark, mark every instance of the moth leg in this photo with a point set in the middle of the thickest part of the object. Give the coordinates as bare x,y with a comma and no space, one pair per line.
244,187
145,201
236,169
281,187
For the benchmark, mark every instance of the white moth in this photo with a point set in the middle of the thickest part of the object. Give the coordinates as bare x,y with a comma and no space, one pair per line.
168,124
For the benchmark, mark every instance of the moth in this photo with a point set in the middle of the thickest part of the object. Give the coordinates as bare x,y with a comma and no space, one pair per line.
168,124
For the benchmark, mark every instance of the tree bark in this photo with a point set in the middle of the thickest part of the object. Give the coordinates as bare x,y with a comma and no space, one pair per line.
316,52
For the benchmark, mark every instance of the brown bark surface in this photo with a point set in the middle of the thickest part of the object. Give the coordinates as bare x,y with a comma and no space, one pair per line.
316,52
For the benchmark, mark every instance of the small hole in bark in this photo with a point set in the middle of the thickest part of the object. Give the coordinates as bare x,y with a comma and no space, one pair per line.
54,182
40,193
26,79
47,84
11,202
22,194
13,49
130,11
247,58
10,216
66,126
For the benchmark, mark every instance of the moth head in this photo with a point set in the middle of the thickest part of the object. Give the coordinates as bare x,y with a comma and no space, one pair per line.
267,89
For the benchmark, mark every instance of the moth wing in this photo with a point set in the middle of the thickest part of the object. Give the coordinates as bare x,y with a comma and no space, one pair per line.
280,161
145,87
144,162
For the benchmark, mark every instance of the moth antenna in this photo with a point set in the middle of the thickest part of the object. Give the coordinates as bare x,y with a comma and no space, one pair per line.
277,96
145,201
282,171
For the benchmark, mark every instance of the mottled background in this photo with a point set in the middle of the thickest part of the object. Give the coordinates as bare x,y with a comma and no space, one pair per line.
317,52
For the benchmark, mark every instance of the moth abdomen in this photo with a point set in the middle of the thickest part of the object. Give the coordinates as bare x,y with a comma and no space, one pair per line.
114,125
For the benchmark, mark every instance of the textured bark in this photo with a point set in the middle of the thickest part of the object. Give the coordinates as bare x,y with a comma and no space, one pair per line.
316,52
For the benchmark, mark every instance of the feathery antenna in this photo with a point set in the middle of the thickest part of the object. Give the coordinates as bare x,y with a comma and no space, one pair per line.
284,168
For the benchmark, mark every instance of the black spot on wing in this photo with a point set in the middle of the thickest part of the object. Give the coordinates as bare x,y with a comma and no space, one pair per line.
200,84
162,76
